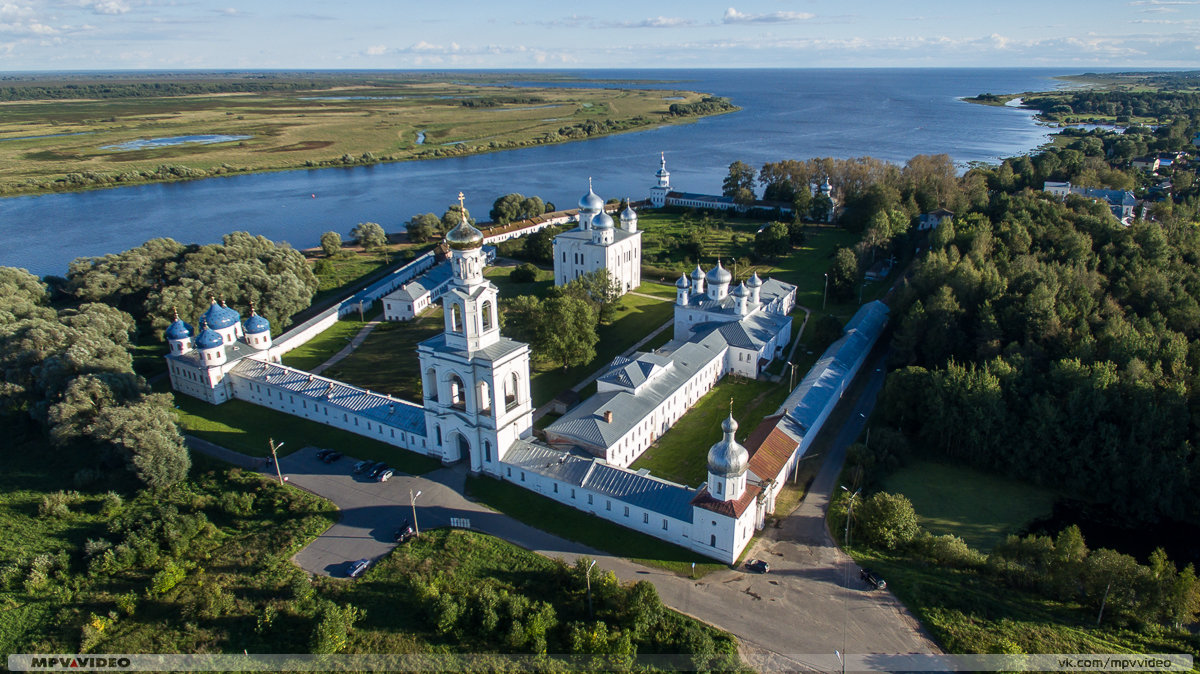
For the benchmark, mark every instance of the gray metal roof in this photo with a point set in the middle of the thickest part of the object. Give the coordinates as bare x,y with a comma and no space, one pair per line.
827,376
438,276
234,351
771,291
492,353
389,411
585,423
585,235
626,486
753,331
632,373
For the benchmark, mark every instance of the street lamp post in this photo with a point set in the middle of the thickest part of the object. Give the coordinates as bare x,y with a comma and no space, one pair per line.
825,295
275,458
589,588
412,499
850,512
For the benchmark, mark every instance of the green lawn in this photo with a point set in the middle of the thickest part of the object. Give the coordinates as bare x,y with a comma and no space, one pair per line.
320,348
657,289
510,289
246,428
636,317
387,359
681,454
979,508
553,517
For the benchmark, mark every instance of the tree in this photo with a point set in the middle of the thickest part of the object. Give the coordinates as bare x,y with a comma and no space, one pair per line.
422,227
524,273
539,246
331,243
568,330
599,289
820,208
369,235
454,215
887,520
739,184
507,208
773,241
333,627
843,274
522,320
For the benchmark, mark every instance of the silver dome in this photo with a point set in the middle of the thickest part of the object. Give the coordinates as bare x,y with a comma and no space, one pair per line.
698,273
719,275
602,220
741,291
682,282
755,281
590,202
727,458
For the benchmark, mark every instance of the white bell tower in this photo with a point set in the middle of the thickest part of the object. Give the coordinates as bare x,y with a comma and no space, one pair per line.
658,193
475,382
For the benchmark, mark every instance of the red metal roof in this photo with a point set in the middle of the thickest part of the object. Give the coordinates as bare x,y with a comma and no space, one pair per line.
733,509
770,448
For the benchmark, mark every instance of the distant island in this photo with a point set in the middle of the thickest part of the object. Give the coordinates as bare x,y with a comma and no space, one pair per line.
84,131
1120,99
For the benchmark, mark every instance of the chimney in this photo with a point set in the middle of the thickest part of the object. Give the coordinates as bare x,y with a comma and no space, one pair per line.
608,416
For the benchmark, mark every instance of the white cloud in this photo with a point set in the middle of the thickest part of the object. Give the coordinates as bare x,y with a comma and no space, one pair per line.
376,50
110,7
734,16
656,22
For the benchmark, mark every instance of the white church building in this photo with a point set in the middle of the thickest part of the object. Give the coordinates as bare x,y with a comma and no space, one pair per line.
596,243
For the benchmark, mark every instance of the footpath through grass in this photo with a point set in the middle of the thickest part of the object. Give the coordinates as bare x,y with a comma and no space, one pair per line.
979,508
322,347
555,518
387,359
681,454
246,428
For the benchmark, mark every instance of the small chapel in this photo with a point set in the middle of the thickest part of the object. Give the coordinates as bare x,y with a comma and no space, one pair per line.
597,243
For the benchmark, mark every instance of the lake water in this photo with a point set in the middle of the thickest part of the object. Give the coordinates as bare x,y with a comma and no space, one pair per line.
892,114
149,143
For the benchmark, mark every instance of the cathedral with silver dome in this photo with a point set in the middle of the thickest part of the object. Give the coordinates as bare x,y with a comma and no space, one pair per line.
597,242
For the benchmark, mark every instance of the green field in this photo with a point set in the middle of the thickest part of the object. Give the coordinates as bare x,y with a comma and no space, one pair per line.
247,428
681,454
387,359
67,143
561,520
320,348
979,508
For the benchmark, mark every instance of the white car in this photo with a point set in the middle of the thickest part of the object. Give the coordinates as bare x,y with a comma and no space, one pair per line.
385,475
357,568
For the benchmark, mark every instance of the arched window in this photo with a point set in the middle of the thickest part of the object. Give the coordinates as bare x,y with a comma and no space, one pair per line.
456,319
430,383
487,316
458,393
485,397
511,386
487,451
437,431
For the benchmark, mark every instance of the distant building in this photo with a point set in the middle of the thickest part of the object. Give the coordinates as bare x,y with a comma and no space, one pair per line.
598,244
1150,164
1120,202
662,195
409,300
933,219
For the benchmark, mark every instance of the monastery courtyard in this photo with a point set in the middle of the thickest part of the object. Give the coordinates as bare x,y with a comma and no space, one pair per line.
810,604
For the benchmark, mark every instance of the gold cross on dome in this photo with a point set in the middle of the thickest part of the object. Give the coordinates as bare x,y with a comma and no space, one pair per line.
460,201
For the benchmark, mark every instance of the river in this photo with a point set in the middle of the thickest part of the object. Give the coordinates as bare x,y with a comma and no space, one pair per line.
892,114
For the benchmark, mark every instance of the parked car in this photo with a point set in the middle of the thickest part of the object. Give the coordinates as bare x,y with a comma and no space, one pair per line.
363,466
874,581
403,533
357,568
758,566
386,475
332,456
324,453
376,469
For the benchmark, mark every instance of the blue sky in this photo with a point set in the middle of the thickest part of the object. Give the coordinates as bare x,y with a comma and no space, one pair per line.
401,34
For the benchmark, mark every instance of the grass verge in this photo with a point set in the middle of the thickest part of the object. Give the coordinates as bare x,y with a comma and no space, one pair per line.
560,520
245,427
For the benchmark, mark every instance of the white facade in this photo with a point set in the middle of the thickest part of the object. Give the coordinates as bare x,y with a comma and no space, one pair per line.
598,244
475,382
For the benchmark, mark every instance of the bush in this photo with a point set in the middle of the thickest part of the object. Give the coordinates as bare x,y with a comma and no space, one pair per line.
57,505
887,520
525,273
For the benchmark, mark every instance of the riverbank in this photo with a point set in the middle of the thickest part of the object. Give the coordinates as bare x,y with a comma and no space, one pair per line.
54,145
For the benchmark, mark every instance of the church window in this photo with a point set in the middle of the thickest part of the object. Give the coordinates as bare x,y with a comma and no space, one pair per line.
393,432
522,476
718,487
456,319
458,394
487,451
508,471
664,525
589,499
437,432
572,492
555,487
511,385
345,418
713,540
608,505
627,511
645,518
487,315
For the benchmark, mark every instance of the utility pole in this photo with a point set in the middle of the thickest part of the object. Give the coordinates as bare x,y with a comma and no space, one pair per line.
275,458
850,512
589,589
825,296
412,499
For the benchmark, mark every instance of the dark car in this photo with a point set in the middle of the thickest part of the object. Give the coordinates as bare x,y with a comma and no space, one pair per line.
872,580
324,453
758,566
378,468
357,568
363,466
403,533
332,456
